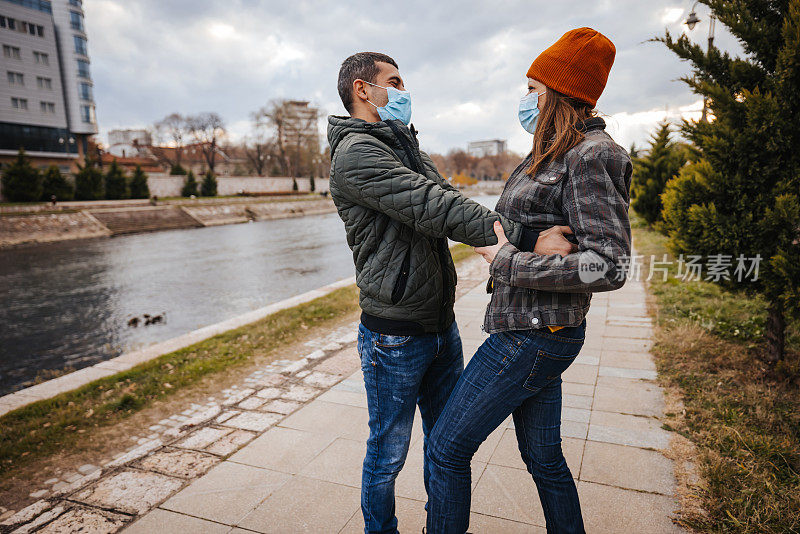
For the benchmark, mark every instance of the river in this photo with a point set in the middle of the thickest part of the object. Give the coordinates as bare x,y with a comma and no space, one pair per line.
66,305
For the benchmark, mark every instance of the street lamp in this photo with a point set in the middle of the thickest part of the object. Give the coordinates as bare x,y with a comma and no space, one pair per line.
691,22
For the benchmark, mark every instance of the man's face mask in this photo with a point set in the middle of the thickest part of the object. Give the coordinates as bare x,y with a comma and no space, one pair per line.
529,111
398,107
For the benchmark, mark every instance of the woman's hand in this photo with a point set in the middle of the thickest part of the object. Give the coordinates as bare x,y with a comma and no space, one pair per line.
552,241
490,252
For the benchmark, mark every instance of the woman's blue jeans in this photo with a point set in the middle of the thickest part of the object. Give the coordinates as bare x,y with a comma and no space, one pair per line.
516,373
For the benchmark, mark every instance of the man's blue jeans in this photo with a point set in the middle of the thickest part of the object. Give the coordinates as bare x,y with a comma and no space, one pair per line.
401,373
515,373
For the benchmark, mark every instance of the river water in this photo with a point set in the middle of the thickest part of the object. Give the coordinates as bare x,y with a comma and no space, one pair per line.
67,304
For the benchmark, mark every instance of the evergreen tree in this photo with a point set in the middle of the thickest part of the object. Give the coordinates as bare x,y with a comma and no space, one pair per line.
116,182
56,185
177,170
189,186
312,184
749,197
294,184
88,181
22,182
652,171
634,151
209,186
138,185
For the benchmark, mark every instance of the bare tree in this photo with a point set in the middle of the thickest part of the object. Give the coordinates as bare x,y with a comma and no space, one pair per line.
259,147
171,131
207,130
293,127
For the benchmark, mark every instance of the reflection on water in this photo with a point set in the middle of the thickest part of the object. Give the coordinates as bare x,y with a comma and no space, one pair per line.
67,305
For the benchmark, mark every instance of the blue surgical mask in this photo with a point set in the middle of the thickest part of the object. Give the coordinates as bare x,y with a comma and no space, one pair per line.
398,106
529,111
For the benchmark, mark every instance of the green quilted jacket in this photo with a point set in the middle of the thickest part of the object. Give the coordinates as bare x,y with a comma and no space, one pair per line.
398,212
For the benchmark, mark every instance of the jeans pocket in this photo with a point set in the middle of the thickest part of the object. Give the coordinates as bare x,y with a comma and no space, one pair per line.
505,348
546,368
388,341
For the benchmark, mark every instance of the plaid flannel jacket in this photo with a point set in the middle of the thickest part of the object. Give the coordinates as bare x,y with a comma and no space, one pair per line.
588,189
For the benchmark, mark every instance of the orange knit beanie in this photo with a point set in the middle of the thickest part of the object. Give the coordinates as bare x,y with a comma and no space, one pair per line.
576,65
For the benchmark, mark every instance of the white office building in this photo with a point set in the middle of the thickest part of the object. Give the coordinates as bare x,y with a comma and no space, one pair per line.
46,90
490,147
129,143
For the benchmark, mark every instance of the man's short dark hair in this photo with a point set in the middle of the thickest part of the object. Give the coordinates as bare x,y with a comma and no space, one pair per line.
361,66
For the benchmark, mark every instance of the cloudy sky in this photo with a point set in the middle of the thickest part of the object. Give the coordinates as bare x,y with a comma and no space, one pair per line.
464,62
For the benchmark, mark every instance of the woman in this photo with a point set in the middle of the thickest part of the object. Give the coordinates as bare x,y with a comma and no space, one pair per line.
575,175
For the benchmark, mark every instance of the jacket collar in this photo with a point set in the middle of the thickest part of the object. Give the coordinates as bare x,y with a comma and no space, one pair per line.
339,127
592,123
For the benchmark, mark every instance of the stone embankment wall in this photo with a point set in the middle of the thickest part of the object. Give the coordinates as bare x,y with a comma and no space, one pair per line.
37,227
41,228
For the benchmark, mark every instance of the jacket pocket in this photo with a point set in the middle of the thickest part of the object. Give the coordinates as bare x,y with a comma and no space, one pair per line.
402,279
546,368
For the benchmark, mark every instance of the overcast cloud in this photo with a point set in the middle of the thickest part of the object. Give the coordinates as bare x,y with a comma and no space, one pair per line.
464,62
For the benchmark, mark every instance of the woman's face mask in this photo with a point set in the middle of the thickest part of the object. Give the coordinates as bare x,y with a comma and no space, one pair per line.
398,106
529,111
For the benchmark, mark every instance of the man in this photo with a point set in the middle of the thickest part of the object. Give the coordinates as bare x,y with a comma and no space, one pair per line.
398,212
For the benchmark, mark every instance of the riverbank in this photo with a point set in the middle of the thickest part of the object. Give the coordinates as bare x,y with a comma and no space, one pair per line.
20,225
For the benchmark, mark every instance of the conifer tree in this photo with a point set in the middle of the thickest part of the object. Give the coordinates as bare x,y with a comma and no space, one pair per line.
208,188
743,195
116,182
189,185
22,182
55,185
88,181
138,185
652,171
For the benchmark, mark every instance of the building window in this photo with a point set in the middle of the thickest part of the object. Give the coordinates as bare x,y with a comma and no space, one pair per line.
15,78
76,3
83,68
23,27
19,103
41,58
47,107
11,52
76,20
87,114
80,45
85,91
44,83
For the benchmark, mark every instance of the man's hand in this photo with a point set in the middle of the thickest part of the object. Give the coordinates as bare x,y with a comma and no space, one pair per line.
552,241
490,252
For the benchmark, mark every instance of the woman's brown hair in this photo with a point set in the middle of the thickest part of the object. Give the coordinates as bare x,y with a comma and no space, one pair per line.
557,129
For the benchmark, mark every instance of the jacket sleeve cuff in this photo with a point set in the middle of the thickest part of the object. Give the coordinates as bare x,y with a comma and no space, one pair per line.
501,267
527,242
